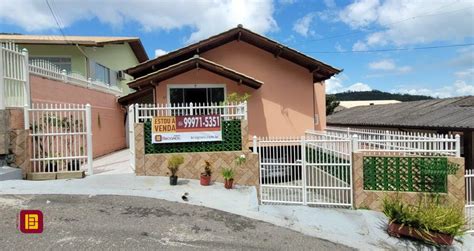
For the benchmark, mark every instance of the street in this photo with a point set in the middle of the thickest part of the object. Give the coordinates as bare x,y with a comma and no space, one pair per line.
126,222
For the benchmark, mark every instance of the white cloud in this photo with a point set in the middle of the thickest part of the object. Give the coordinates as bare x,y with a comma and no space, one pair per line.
336,85
302,25
407,22
458,88
339,47
160,52
385,64
330,3
388,65
204,17
465,74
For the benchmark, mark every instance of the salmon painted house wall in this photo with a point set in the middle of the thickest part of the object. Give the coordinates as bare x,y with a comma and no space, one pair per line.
107,137
282,106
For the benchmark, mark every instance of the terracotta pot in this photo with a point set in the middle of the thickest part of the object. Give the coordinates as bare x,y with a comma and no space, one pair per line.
228,183
398,230
173,180
205,180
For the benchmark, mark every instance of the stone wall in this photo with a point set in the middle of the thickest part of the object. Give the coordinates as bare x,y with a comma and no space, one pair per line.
156,164
373,199
14,139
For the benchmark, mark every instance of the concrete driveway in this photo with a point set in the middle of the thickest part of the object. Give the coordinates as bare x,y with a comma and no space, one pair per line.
125,222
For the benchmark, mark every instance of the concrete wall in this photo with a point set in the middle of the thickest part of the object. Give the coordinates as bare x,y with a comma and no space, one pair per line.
283,106
108,134
373,199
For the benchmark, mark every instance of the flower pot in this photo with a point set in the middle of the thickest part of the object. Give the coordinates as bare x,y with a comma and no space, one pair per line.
397,230
228,183
173,180
205,180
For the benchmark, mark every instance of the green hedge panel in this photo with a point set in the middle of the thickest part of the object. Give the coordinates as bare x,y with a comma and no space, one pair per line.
407,174
231,141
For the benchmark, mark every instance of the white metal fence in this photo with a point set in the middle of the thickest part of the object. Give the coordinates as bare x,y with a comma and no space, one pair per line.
14,79
145,112
404,143
469,208
48,70
311,170
61,137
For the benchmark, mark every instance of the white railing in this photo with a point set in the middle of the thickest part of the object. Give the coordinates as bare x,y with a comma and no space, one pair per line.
14,81
311,170
397,142
61,137
145,112
49,70
469,208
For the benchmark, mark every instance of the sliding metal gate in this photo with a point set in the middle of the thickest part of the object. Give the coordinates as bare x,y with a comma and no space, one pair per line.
311,170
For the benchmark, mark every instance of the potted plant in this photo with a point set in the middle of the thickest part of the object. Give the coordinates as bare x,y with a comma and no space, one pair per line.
206,175
173,165
429,221
228,174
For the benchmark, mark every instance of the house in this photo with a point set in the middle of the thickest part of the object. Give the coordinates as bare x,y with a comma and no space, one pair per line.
98,58
286,87
449,115
353,103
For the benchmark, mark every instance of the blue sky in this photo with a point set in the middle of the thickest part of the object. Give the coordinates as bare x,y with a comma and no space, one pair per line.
312,27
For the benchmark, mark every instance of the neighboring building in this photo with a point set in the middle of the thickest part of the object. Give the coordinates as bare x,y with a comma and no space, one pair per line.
98,58
286,87
450,115
353,103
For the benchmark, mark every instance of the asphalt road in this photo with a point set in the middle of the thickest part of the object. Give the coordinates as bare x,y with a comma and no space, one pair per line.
123,222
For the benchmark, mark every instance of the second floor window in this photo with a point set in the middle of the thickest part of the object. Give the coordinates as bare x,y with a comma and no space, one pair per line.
102,73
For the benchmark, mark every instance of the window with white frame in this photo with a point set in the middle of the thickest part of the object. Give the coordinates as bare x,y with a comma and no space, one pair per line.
63,63
102,73
196,94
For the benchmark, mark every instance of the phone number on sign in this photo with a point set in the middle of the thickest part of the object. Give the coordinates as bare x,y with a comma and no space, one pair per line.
212,121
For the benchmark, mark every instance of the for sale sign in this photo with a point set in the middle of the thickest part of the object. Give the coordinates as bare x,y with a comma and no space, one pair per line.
178,129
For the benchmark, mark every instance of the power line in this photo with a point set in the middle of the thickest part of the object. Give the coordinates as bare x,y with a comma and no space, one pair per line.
392,49
56,20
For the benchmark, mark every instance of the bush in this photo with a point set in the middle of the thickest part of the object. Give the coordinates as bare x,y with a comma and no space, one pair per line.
429,215
174,162
228,173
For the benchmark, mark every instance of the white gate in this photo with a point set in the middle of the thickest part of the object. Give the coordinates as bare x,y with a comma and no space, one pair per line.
60,137
311,170
469,208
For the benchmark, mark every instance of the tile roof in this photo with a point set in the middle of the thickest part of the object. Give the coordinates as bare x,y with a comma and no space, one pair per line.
454,113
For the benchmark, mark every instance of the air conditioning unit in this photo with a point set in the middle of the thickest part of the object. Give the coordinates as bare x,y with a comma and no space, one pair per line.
121,75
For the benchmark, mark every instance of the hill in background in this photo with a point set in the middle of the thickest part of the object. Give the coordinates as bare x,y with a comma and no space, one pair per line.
378,95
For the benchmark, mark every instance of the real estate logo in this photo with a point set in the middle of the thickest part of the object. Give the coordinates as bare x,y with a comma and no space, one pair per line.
31,221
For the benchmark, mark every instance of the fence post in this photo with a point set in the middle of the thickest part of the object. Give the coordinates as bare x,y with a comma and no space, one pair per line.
131,134
245,110
26,76
26,117
458,145
303,168
254,144
2,81
355,143
64,75
89,138
191,112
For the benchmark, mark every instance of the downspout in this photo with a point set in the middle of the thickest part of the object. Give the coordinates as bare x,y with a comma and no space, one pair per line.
87,61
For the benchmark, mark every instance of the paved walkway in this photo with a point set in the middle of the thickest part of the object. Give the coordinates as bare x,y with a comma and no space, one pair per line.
361,229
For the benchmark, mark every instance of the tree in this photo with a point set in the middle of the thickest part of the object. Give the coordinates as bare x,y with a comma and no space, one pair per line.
331,104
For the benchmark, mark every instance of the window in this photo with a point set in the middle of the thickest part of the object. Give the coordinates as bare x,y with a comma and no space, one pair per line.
63,63
102,73
178,95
